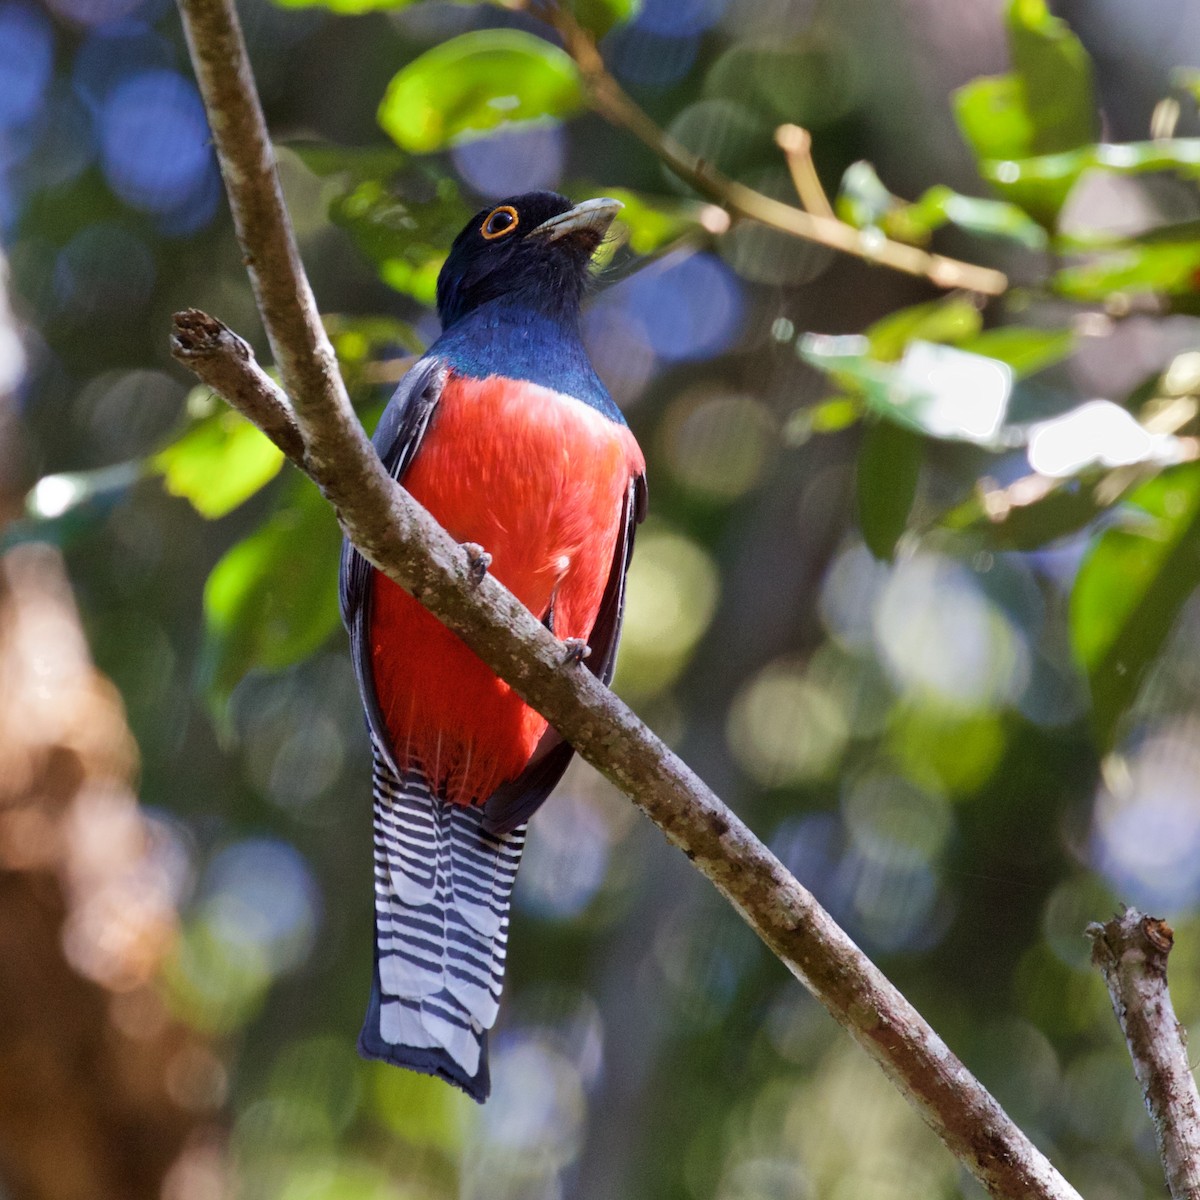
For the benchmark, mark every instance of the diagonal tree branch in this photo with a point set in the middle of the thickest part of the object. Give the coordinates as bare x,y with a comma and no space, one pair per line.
818,225
1131,952
404,541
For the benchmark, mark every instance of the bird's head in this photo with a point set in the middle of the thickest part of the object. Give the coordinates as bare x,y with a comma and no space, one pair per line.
533,248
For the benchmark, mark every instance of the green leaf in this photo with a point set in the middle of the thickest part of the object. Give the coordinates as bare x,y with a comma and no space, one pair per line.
1045,105
1187,79
370,186
1130,589
599,16
950,319
1041,184
834,415
407,242
934,389
371,350
272,599
1043,108
471,85
1066,509
357,7
993,117
830,416
1056,74
328,159
941,205
1026,350
863,201
889,469
347,8
417,1108
1167,269
218,464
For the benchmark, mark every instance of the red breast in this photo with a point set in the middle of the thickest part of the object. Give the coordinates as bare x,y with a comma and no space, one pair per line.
538,479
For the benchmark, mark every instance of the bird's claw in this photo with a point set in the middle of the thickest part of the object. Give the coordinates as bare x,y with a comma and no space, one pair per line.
575,650
478,561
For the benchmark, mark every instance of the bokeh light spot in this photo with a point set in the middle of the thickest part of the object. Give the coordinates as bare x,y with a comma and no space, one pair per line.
26,58
513,161
1146,826
537,1106
784,728
892,901
1098,432
849,594
675,17
103,269
857,683
129,411
646,59
721,131
940,635
689,305
564,863
324,1074
946,747
260,894
65,144
114,53
417,1108
891,819
718,445
618,345
671,595
801,80
154,140
770,256
1071,906
93,12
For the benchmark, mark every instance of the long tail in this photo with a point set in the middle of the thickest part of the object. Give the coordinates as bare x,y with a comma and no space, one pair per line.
442,892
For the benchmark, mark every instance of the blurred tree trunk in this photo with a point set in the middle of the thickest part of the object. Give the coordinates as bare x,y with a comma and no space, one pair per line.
103,1095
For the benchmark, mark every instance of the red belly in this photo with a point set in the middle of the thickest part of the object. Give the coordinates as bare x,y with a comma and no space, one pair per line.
538,480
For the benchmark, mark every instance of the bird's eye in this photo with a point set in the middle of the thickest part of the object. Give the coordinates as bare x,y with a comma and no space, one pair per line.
499,221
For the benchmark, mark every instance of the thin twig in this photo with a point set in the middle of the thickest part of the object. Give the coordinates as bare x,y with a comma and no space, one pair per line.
796,144
404,541
1131,952
615,105
226,363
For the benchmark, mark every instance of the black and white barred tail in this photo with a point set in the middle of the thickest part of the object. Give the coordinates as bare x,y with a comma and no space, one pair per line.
442,893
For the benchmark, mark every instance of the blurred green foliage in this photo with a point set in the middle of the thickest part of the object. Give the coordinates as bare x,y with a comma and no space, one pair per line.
219,463
915,595
272,599
468,86
1130,588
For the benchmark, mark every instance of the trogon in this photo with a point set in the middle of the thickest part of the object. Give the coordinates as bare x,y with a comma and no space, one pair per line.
505,433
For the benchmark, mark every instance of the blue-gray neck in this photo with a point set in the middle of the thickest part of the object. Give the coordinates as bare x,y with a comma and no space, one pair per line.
507,338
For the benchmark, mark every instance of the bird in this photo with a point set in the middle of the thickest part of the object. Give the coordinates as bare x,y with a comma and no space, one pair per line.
506,434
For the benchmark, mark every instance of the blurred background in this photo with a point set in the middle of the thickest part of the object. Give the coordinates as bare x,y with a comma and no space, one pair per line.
919,615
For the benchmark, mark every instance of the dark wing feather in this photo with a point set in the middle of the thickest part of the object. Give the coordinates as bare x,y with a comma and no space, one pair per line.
401,428
513,803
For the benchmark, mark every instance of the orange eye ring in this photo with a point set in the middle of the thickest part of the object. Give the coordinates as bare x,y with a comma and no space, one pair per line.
494,224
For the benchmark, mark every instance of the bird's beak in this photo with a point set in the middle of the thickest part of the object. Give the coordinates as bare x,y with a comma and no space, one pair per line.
589,220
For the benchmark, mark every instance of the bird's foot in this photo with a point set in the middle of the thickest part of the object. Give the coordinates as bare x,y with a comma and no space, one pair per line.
575,650
478,561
